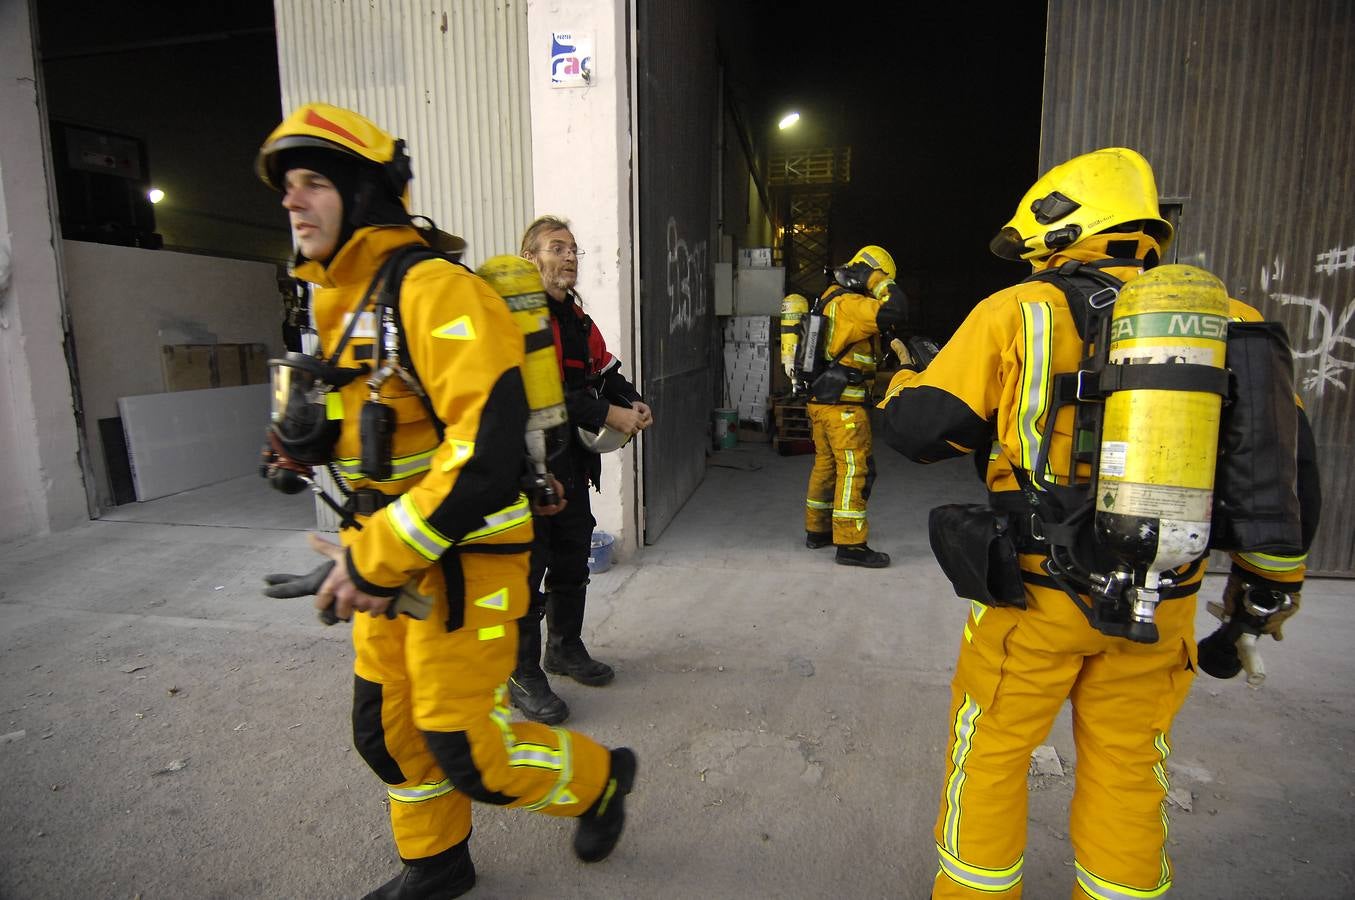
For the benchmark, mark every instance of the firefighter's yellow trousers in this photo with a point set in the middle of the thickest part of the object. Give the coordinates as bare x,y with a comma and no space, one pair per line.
1015,669
430,715
844,470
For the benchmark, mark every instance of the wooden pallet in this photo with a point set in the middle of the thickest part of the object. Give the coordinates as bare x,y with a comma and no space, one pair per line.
793,433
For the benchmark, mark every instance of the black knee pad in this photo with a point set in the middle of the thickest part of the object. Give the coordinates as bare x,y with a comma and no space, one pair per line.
369,735
452,751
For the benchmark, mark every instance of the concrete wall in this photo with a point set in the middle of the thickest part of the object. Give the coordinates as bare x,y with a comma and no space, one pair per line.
126,303
582,170
41,485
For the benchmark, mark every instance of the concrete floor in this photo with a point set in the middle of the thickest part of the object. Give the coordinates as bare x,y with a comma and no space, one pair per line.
168,732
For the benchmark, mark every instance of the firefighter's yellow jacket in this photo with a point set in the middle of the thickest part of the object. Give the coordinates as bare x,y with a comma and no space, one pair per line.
851,338
467,352
989,389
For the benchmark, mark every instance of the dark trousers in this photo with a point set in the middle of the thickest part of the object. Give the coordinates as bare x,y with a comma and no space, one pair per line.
558,577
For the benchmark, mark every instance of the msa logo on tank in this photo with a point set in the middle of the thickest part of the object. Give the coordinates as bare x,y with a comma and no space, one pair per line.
1172,325
571,59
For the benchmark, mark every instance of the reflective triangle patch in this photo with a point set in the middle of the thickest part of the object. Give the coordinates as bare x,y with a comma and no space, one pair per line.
461,451
459,329
497,600
564,798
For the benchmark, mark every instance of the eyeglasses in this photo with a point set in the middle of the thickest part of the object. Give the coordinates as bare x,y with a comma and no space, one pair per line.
561,251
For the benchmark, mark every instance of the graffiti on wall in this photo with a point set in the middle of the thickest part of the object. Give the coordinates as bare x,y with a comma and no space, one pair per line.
688,299
1326,353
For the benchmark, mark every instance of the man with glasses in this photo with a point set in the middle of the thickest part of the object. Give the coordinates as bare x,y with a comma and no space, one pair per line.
600,401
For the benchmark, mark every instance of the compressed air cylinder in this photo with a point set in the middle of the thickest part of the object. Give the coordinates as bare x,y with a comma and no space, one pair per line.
793,310
1155,484
518,282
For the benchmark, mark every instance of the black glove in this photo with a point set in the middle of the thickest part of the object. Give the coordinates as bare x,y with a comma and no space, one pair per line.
287,587
1251,605
893,312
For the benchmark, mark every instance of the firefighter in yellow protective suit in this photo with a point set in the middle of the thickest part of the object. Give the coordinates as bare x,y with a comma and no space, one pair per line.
862,303
987,392
436,506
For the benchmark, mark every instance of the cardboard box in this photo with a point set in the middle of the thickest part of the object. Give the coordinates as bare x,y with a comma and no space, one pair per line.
755,258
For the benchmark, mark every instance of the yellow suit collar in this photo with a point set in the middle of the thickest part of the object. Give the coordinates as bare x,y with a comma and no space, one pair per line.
358,260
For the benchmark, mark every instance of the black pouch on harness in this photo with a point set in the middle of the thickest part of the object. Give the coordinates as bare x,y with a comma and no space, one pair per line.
976,551
828,387
1256,505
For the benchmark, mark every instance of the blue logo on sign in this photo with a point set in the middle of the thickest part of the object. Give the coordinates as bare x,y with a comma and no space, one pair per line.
565,62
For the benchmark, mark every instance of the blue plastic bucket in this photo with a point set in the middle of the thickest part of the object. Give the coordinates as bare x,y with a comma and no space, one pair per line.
600,553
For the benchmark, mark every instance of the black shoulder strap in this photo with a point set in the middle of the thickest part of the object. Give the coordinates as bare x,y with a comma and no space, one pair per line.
385,291
817,310
835,290
1085,285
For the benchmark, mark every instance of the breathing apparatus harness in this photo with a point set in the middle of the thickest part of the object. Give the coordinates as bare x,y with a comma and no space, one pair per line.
308,414
1056,512
822,379
1128,544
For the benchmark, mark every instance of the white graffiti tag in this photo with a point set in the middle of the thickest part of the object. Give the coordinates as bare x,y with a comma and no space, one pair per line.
1329,262
1331,339
1330,348
687,297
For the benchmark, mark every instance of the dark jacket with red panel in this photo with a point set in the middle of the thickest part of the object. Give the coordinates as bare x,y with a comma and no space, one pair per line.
591,375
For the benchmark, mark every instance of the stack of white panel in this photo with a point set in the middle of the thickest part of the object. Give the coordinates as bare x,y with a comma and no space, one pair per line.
748,366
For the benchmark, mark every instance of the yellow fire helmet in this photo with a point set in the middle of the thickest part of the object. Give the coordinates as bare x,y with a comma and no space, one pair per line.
1086,195
877,258
326,127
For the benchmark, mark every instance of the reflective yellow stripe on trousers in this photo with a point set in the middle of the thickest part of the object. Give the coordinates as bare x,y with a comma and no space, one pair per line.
967,874
1100,888
528,754
421,793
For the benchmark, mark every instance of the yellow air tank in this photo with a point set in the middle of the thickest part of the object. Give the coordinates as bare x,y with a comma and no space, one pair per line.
1155,484
518,282
794,307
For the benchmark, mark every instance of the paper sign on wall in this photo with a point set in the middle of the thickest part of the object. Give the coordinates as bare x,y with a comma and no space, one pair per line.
571,59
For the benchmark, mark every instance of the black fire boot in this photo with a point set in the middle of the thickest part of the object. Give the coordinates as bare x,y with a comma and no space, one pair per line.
860,555
528,688
449,874
816,539
565,652
600,827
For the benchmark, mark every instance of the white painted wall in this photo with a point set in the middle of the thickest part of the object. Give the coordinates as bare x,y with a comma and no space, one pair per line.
41,483
126,303
582,170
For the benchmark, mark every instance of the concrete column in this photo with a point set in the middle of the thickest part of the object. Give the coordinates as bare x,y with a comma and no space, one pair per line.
582,170
42,488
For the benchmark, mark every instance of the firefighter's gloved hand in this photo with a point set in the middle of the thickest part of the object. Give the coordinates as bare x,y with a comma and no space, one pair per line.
894,311
901,351
880,285
1259,605
287,587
